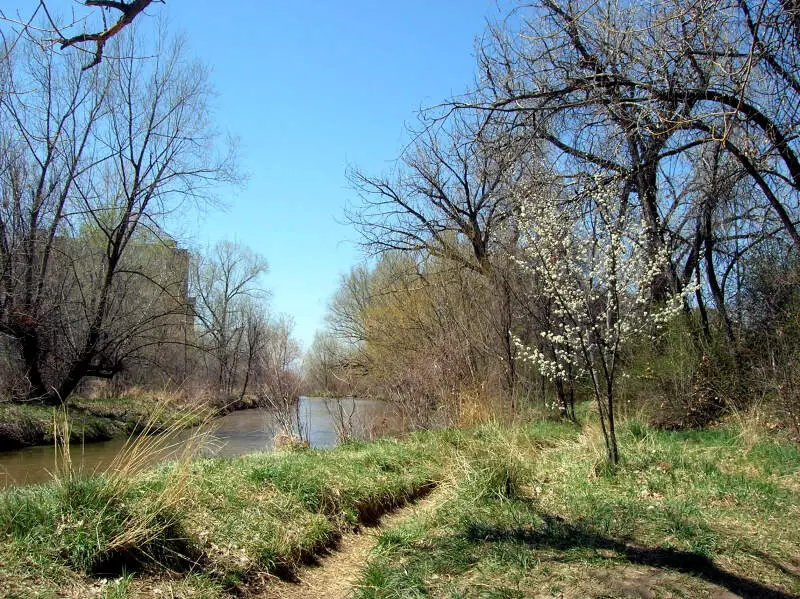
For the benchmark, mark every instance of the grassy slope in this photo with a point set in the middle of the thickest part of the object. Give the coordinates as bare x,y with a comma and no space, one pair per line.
688,515
529,512
227,521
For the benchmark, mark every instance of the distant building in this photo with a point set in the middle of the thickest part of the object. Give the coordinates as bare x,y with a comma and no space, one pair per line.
150,318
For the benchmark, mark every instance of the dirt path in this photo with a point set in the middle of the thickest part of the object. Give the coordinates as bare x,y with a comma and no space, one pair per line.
336,573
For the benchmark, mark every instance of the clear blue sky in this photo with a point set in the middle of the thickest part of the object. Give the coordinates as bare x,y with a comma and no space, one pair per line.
310,88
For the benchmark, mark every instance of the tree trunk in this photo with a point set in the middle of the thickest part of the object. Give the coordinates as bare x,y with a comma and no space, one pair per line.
613,451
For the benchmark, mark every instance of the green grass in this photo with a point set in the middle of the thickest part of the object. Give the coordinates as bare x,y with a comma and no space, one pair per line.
685,512
90,420
271,511
528,511
235,520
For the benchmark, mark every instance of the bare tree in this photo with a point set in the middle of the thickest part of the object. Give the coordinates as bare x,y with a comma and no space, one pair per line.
346,310
128,12
225,283
256,333
328,365
109,154
636,90
428,338
450,200
280,375
453,183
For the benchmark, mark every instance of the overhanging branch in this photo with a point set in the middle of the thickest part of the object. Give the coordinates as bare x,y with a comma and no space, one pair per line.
129,10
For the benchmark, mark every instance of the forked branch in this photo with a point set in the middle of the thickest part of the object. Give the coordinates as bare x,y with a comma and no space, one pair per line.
129,10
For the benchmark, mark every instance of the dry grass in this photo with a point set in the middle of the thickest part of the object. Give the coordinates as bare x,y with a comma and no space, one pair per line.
753,424
475,406
149,523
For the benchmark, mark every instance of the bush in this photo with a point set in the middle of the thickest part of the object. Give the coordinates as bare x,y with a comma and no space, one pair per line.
683,380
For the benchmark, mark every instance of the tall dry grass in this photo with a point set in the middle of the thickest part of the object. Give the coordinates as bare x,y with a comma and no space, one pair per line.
475,406
152,514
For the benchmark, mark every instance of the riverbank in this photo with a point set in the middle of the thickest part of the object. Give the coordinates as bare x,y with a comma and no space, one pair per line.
521,512
101,419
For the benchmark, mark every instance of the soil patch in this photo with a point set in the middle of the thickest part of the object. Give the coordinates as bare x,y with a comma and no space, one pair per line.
334,575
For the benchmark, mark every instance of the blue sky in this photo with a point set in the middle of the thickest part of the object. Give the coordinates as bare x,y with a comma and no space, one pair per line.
310,88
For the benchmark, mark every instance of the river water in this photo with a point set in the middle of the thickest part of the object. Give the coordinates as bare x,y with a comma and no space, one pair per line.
237,433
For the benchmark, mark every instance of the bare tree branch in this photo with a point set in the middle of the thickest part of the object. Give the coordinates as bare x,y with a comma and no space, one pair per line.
129,10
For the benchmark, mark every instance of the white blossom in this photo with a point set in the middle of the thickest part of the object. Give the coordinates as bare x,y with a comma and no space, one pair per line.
593,258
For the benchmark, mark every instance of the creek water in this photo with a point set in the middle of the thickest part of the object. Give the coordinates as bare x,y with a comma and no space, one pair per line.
237,433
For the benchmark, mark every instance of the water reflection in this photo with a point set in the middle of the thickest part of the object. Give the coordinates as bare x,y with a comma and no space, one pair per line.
237,433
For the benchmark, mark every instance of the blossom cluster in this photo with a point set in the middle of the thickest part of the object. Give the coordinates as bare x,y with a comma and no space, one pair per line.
593,258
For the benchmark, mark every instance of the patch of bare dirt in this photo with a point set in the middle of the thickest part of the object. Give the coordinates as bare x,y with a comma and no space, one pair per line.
335,574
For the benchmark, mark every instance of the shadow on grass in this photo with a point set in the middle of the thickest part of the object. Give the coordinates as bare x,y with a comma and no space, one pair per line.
556,533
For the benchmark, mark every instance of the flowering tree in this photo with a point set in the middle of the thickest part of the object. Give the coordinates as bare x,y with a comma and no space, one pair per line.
592,258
